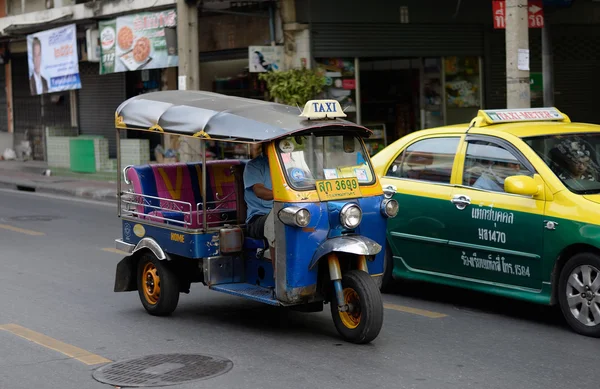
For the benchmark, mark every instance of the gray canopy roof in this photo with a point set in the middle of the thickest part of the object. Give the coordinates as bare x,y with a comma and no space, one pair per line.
218,116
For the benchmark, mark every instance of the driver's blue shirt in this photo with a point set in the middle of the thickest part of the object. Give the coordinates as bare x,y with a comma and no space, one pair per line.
257,172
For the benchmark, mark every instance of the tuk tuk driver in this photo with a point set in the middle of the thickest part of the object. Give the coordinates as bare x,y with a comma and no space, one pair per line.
258,194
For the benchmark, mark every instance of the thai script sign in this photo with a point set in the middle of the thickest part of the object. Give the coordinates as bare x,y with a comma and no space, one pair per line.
535,13
53,61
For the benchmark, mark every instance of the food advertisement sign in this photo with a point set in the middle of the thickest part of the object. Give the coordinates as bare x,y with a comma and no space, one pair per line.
145,40
53,61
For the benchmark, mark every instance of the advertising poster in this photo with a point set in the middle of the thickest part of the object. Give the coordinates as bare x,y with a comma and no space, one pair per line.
145,40
53,61
262,59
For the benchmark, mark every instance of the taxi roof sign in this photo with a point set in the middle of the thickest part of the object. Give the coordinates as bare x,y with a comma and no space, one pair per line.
323,109
496,116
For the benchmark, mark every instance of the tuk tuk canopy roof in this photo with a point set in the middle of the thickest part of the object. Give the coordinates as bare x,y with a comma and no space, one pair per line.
216,116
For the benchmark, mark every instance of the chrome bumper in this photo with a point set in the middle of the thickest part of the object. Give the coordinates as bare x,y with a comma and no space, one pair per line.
127,247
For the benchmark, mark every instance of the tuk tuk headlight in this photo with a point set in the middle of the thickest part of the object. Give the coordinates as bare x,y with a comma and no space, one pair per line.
295,216
389,207
350,216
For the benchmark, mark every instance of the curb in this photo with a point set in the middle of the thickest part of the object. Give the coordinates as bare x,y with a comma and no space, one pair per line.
89,193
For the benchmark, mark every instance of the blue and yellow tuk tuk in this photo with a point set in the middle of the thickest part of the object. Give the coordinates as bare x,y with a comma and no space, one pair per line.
185,222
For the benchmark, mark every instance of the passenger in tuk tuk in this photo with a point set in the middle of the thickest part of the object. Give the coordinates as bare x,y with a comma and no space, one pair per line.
258,194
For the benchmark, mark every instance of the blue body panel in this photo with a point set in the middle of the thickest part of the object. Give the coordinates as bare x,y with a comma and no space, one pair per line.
301,243
188,245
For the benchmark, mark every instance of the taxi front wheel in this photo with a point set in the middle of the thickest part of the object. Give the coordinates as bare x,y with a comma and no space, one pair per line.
579,293
364,318
158,286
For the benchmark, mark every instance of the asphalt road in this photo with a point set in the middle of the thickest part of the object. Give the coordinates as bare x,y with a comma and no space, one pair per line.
56,285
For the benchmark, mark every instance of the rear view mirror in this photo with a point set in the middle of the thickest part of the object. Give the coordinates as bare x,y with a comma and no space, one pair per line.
521,185
348,144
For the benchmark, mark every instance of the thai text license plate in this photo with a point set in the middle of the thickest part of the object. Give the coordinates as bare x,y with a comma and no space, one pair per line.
337,189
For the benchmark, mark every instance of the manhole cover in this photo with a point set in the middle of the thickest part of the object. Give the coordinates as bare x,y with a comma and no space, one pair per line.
162,370
34,218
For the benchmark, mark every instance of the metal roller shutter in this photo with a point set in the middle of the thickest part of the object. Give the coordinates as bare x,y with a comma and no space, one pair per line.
395,40
27,109
99,97
576,51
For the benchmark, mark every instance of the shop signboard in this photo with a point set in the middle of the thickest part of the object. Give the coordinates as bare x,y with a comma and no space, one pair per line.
146,40
53,61
535,13
262,59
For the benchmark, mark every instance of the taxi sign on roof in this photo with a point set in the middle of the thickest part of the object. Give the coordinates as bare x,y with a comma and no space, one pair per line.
322,109
495,116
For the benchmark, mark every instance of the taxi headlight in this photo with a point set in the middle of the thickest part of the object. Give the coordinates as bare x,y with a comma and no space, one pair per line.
295,216
389,207
350,216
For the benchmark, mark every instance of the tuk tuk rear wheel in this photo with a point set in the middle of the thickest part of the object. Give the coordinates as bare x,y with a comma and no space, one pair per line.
158,286
363,322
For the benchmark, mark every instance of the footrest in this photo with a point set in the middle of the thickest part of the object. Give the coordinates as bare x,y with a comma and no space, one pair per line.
253,292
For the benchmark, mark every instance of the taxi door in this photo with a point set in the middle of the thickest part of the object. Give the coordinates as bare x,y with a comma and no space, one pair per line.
421,174
495,237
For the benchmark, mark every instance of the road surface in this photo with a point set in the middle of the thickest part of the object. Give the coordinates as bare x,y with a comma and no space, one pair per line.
60,320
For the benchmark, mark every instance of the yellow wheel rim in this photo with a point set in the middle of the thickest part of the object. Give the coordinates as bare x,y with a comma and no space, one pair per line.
151,283
351,318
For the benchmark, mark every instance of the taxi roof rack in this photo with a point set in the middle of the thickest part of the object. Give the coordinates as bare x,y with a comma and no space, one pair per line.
487,117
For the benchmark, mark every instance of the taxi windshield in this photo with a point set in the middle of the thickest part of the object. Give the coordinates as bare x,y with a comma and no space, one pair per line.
573,158
307,158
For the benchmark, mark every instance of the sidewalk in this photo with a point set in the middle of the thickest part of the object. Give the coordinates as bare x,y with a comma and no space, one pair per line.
29,176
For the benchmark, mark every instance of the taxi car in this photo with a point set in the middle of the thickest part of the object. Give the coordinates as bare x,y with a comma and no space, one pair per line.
508,204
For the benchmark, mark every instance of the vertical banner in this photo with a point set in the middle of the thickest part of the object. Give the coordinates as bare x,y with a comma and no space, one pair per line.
139,41
53,61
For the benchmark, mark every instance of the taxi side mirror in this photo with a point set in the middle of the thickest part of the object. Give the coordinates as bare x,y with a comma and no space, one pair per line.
521,185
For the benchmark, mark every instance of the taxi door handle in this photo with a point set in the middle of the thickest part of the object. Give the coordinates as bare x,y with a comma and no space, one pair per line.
461,201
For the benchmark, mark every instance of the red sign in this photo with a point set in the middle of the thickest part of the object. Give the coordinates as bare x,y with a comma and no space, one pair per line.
535,13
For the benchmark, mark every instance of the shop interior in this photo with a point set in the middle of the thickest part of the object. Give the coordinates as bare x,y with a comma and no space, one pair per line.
389,95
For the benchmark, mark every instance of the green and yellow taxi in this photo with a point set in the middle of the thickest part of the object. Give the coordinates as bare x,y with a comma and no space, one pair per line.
508,204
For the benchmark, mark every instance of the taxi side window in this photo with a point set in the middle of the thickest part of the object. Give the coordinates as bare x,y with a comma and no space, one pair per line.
426,160
487,165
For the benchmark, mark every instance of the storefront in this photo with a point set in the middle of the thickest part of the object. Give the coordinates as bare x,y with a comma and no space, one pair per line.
403,76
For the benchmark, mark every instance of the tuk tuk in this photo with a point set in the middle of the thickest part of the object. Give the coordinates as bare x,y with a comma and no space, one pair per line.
186,222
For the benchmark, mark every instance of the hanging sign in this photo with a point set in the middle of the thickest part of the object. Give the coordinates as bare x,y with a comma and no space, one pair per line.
53,61
535,13
146,40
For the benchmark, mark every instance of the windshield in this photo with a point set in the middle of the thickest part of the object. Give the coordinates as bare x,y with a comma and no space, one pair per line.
573,158
308,158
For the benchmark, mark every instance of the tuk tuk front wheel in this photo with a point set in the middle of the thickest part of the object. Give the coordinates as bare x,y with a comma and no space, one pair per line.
158,286
364,318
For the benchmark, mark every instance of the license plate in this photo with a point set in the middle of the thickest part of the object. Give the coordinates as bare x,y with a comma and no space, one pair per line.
337,189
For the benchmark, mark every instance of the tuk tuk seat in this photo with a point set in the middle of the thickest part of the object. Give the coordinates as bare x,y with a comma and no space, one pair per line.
183,182
143,183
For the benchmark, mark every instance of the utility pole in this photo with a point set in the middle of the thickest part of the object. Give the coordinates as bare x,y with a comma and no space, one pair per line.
189,66
187,42
517,55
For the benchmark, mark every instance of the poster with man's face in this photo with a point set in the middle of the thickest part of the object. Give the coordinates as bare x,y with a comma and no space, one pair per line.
53,60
